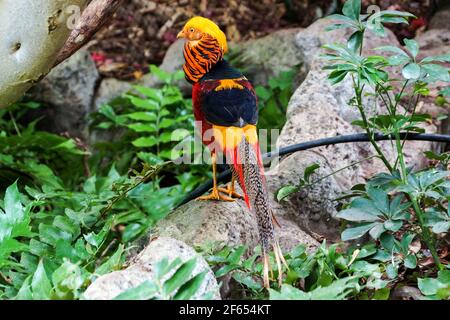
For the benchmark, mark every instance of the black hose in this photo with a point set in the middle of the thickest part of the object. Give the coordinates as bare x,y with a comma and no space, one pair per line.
357,137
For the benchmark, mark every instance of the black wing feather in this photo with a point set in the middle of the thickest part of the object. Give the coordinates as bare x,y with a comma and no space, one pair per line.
230,107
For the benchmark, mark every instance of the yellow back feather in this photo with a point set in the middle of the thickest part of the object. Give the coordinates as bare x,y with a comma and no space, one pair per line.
207,26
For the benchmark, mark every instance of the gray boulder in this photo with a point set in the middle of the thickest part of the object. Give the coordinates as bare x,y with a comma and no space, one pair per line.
109,89
435,41
110,285
264,58
441,19
200,223
312,209
68,93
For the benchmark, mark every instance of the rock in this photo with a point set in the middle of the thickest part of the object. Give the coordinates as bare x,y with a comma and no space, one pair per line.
441,19
67,92
264,58
173,61
110,89
200,223
312,209
406,293
108,286
432,43
32,34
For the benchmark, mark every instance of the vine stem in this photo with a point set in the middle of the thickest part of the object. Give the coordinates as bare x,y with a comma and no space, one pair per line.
426,233
426,236
358,92
14,123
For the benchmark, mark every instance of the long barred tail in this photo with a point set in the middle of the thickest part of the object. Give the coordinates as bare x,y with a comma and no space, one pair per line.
247,168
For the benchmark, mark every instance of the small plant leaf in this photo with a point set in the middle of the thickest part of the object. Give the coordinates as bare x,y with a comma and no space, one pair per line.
411,71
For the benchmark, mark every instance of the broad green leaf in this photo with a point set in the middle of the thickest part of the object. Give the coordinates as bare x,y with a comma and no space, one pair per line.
397,60
391,271
437,72
190,288
14,223
225,270
412,46
166,123
151,93
146,104
113,263
347,21
288,293
429,286
337,290
180,276
411,71
247,280
13,206
235,256
263,93
387,241
70,147
309,170
286,191
382,294
149,158
392,225
145,291
411,261
441,227
393,49
67,279
25,290
379,198
355,41
142,116
337,76
438,58
356,232
356,214
145,142
40,284
160,74
377,231
142,127
51,235
352,9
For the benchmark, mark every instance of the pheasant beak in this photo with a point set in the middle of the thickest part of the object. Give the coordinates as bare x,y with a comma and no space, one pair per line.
181,34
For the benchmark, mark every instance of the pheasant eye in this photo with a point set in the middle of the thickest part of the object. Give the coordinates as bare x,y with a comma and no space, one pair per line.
191,30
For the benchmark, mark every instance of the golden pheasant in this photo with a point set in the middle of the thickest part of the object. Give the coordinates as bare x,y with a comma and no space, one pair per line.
225,105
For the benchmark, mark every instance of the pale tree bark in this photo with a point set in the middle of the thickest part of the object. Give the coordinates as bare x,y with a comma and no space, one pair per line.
92,20
33,33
